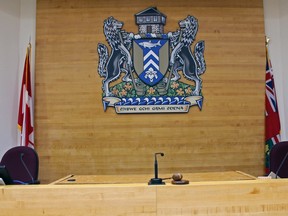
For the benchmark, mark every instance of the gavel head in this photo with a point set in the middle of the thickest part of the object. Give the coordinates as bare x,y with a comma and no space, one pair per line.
177,176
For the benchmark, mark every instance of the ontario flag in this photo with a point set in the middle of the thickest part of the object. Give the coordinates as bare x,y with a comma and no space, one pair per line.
25,114
272,121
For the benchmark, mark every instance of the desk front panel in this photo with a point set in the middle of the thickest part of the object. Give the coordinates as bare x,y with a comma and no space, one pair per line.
220,198
78,200
256,198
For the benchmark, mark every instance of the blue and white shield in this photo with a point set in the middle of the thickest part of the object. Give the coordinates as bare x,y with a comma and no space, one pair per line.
151,59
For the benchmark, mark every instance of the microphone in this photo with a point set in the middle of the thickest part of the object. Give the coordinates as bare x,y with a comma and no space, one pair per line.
156,180
26,168
281,164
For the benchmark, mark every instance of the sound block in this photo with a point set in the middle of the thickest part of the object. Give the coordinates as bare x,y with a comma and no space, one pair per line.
181,182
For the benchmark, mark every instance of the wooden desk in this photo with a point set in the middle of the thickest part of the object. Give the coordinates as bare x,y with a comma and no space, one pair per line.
124,179
256,197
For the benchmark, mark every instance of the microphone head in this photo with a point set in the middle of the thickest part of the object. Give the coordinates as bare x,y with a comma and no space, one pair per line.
161,153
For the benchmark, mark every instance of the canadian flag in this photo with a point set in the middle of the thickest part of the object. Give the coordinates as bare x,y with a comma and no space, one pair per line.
25,114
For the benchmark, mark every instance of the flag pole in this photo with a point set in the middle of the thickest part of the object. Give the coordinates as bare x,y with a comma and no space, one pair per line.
267,40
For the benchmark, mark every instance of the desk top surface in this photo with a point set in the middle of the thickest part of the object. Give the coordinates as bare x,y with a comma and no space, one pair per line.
144,178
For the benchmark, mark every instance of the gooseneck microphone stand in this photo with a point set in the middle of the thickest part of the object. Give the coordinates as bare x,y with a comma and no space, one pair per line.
156,180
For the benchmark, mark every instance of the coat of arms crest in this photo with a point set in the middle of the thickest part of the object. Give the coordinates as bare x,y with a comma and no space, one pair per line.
149,63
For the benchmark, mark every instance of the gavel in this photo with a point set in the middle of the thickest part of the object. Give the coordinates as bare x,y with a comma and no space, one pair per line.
177,176
177,179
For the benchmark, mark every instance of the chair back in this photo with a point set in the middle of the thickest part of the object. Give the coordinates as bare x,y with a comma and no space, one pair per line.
22,163
277,158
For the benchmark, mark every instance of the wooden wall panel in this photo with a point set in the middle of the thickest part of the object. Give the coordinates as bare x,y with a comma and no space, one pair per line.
75,135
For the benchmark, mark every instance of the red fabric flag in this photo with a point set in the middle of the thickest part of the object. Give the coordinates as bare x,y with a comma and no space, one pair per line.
272,121
25,114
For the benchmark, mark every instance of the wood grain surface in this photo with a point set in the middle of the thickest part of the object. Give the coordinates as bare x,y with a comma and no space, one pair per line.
217,198
73,134
144,178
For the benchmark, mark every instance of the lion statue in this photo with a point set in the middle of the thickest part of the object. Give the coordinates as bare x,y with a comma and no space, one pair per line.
110,67
182,58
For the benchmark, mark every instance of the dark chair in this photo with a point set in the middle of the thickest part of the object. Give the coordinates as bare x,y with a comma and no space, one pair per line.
279,159
22,164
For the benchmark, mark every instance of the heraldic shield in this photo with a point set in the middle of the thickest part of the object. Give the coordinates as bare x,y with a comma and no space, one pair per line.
151,59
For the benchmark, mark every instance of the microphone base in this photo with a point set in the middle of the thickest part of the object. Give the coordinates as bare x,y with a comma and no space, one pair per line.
156,181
